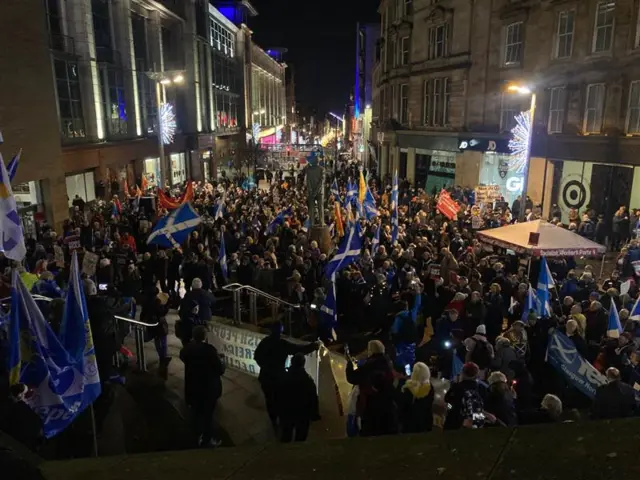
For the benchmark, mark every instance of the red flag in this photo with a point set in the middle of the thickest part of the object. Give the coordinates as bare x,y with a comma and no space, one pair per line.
447,206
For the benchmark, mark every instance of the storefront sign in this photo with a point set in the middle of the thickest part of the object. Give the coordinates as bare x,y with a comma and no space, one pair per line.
498,145
487,193
515,184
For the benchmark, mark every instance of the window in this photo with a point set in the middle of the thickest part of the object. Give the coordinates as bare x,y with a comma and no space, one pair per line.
438,41
508,110
114,105
556,109
83,185
404,51
436,102
564,35
404,103
102,30
594,108
394,102
633,112
513,44
408,7
221,39
69,100
637,43
394,53
603,31
399,9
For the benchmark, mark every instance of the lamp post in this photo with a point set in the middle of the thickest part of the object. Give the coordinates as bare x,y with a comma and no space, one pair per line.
163,79
523,90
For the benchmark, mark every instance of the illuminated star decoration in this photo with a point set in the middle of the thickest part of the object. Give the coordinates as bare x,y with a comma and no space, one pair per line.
167,123
519,143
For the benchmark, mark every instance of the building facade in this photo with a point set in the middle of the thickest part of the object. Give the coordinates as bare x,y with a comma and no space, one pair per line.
442,113
87,78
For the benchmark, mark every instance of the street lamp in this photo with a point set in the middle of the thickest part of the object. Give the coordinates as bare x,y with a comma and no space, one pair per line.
525,150
163,80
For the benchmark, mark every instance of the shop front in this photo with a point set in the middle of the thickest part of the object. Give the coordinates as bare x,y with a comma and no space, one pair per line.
178,168
82,185
152,172
30,206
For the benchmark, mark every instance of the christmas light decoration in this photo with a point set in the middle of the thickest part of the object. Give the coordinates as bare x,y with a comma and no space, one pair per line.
519,143
168,124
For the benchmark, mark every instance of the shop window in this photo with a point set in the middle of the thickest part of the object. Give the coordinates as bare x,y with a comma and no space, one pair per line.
557,99
604,26
178,168
594,108
564,34
83,185
69,99
152,171
633,112
514,44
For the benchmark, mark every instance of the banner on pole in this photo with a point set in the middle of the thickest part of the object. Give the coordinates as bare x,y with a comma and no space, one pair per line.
447,206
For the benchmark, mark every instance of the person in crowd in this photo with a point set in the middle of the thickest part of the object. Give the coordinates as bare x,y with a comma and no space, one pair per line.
154,312
203,368
465,401
505,355
271,355
297,401
550,411
416,401
479,351
204,300
19,420
500,400
615,399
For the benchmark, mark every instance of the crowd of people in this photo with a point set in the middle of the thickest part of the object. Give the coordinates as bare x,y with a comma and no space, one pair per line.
412,306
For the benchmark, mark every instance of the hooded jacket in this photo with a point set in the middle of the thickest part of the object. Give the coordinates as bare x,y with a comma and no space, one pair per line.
415,407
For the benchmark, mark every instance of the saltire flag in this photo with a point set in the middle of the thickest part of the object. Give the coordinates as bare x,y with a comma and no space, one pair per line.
352,194
447,205
329,310
530,303
248,183
545,281
512,305
456,366
339,225
10,227
222,258
12,168
278,220
348,252
335,191
614,327
306,226
76,336
172,231
375,243
362,188
38,360
220,207
369,206
394,210
635,311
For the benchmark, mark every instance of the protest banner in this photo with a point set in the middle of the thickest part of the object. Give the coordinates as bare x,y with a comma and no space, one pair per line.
487,193
58,255
447,206
89,263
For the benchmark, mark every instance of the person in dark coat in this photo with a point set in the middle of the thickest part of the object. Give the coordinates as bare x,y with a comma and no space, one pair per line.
459,394
375,404
203,369
18,420
596,328
500,401
416,401
297,401
154,310
615,399
205,301
271,355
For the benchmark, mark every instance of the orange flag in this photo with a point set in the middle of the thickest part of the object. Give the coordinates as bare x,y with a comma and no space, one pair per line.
145,183
339,224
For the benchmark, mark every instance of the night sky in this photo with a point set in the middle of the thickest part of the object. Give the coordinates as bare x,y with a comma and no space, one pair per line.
320,37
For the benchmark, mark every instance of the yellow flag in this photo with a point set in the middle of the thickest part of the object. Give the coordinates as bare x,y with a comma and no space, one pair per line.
362,190
339,224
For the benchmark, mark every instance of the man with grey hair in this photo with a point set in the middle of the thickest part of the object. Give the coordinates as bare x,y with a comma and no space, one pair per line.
614,399
195,309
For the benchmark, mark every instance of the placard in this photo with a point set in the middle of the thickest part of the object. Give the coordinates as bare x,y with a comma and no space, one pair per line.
487,193
89,263
58,255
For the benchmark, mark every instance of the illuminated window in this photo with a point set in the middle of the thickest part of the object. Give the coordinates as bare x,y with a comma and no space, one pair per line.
69,99
604,24
513,44
633,112
557,99
564,35
594,108
221,39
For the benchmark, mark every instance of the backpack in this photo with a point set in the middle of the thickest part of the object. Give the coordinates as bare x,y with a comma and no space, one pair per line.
480,354
472,409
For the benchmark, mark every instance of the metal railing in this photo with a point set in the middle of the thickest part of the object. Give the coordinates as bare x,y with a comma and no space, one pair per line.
253,293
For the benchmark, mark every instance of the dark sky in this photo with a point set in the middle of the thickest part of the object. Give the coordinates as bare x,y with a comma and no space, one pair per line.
320,36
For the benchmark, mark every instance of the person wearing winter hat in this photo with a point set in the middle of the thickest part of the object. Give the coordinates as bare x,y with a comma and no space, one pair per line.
479,350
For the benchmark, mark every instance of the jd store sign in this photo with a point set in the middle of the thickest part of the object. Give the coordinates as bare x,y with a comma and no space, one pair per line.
497,145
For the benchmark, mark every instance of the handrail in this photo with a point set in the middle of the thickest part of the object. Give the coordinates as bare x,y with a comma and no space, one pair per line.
137,322
235,287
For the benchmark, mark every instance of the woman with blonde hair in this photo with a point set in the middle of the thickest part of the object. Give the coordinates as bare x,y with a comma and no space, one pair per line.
416,401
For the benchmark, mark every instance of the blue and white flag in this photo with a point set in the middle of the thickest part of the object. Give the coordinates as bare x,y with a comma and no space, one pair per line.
456,366
248,183
348,252
75,334
38,359
335,191
172,231
530,303
614,327
369,206
545,282
352,194
394,210
329,310
279,220
564,357
375,243
635,311
10,228
222,258
220,207
12,168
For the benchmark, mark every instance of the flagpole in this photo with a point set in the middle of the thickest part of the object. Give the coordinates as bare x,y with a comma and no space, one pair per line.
94,431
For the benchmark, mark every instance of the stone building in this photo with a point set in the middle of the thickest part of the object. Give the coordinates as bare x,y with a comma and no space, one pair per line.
442,113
